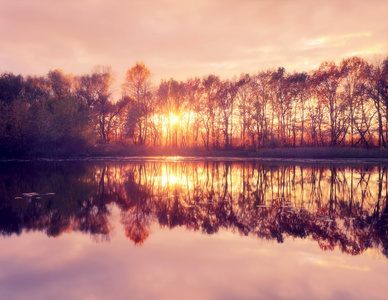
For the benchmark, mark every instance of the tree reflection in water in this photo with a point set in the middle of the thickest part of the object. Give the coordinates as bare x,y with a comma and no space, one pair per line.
342,207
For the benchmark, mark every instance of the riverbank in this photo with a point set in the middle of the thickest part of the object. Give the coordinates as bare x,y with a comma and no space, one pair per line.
289,153
107,150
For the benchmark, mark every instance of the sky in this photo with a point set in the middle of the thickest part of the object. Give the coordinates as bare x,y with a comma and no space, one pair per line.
183,39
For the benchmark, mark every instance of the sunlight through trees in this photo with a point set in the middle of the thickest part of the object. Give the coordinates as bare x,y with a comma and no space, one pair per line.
341,104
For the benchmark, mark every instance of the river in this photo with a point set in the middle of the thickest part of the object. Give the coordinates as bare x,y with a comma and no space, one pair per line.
175,228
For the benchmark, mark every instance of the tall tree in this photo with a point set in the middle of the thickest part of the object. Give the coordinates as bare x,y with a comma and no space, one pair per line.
193,94
225,99
355,73
171,101
262,93
244,96
301,93
137,85
60,84
282,100
377,88
326,83
211,85
94,92
11,87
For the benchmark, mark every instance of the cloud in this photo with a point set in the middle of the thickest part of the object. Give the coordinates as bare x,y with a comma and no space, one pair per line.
181,39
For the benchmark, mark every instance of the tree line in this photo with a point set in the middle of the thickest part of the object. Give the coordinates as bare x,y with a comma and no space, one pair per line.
343,104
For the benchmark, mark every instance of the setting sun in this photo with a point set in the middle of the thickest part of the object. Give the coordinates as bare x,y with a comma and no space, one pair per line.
174,119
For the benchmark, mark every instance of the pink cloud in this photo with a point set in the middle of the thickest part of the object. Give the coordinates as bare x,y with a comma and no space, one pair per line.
181,39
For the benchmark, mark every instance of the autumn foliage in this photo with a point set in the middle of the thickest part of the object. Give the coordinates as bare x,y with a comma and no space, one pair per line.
335,105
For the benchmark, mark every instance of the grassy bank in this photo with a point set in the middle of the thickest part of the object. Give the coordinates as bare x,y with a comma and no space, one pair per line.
323,153
299,153
107,150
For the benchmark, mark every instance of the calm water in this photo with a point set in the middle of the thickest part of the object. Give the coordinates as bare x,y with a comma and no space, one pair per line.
167,229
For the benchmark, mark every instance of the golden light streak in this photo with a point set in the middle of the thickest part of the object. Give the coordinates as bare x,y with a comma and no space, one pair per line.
174,119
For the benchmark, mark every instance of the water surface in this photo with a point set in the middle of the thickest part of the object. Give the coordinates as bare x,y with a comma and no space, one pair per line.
197,229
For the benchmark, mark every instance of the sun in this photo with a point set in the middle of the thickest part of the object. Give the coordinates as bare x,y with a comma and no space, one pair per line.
174,119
